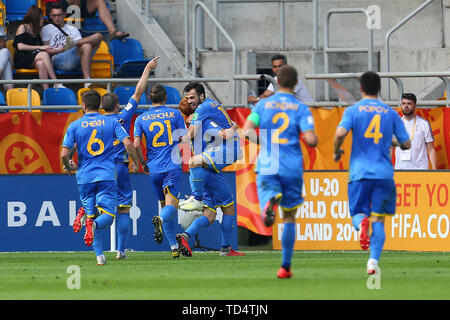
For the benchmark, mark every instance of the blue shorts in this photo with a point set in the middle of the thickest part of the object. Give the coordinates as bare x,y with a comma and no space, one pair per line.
101,196
377,197
269,186
217,192
68,60
124,188
222,156
167,182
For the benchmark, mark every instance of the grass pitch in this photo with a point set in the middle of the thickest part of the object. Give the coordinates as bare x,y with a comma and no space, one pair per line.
207,276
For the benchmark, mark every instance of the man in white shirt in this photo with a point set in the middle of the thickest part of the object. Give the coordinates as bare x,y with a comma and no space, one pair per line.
300,91
421,137
69,50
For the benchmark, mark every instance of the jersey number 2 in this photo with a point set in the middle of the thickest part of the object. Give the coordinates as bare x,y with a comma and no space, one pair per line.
284,124
373,130
161,128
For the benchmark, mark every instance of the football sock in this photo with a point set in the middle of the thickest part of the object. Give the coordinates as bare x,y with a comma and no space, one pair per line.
97,244
356,220
377,240
227,227
197,179
123,226
196,226
287,245
169,225
103,221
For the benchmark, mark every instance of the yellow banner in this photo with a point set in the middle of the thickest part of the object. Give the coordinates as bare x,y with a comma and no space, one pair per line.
421,223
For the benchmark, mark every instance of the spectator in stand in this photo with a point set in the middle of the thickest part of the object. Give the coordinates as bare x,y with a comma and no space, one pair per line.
68,49
5,61
30,51
88,8
300,91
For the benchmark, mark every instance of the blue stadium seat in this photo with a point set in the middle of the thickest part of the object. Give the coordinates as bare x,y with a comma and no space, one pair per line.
2,100
173,95
16,9
59,96
128,58
93,25
125,93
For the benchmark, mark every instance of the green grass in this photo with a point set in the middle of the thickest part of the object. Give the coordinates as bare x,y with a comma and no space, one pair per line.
205,276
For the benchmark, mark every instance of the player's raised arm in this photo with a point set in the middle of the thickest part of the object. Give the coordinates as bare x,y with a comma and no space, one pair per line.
142,84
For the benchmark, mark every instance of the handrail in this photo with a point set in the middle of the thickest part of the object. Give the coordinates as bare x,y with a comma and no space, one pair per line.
327,49
443,75
227,36
109,82
391,31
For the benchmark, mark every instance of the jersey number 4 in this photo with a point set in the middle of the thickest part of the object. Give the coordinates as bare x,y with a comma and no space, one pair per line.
160,132
373,130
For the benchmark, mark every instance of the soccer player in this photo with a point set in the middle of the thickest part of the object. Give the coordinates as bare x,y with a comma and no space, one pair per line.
110,103
281,118
93,135
163,129
216,145
371,190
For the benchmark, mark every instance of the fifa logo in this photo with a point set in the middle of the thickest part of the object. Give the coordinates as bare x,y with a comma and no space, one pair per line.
373,14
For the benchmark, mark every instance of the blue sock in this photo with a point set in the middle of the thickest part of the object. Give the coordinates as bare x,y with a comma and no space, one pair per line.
197,180
123,226
168,214
103,221
377,240
227,227
97,244
356,220
287,245
196,226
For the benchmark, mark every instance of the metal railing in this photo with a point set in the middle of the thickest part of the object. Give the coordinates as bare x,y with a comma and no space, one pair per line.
117,81
396,76
327,49
389,34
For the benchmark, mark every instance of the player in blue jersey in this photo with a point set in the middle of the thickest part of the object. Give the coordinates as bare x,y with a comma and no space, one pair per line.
94,135
281,118
371,188
110,103
163,128
216,145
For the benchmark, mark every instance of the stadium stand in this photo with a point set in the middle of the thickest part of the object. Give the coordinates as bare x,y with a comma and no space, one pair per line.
19,97
128,57
2,15
59,96
92,25
15,10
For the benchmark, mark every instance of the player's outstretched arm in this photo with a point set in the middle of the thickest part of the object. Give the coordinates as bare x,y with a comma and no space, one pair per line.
311,138
249,131
142,84
339,138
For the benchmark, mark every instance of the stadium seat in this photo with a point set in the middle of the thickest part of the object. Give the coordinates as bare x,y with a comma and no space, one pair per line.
173,95
2,100
125,93
16,9
128,57
102,91
92,25
10,46
59,96
2,15
19,97
102,63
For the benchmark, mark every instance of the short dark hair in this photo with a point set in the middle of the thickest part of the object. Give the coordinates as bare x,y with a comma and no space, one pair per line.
287,76
409,96
278,57
370,83
195,85
109,101
158,94
55,5
91,99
